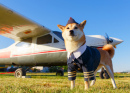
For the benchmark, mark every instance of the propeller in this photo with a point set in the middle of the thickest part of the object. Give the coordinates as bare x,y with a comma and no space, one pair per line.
108,39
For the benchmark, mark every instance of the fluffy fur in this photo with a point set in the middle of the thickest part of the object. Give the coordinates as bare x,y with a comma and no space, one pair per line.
109,48
73,42
74,38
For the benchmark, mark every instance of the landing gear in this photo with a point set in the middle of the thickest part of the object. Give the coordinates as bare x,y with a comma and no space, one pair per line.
19,73
104,74
60,72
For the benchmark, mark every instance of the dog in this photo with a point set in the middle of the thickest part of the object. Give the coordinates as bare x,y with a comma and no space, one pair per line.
79,53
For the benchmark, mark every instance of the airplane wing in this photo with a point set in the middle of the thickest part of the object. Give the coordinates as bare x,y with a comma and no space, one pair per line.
15,26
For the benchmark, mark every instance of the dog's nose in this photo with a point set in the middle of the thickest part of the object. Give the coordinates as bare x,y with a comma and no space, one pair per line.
71,32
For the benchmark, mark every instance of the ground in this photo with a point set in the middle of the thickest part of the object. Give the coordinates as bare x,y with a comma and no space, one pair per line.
49,83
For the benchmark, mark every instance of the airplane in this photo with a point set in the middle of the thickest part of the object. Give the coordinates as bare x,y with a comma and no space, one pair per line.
36,45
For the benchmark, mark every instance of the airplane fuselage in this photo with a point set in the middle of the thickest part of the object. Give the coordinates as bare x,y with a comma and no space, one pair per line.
46,50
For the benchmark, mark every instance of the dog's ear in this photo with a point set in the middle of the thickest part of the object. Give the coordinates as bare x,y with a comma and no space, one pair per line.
61,27
82,24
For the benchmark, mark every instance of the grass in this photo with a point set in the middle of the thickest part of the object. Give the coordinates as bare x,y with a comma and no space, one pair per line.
49,83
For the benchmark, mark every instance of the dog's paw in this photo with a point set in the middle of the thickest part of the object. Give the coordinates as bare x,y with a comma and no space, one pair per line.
115,87
92,83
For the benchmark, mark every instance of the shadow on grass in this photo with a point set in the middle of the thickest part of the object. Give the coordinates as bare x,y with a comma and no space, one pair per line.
67,76
53,75
43,75
7,75
121,76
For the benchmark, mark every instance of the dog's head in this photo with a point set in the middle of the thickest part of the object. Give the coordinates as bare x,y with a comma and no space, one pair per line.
73,34
72,31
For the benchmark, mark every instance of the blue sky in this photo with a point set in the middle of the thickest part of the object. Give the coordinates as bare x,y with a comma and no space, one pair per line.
103,16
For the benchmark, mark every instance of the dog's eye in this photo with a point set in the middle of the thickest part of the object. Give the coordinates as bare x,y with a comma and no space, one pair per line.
75,27
67,27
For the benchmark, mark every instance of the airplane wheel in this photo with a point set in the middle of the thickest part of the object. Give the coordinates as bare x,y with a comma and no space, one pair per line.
19,73
104,75
60,73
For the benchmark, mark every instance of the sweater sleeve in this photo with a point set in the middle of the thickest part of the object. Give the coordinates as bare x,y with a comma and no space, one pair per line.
71,72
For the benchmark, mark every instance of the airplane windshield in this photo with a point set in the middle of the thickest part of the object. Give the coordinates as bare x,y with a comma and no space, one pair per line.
58,34
44,39
24,43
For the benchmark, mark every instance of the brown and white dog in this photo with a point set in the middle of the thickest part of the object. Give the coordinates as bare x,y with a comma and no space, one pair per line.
74,38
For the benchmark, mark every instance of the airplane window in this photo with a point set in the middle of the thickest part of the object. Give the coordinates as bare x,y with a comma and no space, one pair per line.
55,40
24,43
58,34
44,39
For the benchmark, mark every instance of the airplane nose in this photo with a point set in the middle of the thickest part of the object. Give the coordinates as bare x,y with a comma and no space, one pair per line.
116,41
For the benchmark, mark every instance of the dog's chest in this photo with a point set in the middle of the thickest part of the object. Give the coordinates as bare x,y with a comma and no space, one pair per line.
72,46
90,58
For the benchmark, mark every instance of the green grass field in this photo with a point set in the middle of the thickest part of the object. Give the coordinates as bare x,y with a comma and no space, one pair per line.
49,83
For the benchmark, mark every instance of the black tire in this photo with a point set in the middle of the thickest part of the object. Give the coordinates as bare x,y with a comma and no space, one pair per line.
104,75
19,73
60,73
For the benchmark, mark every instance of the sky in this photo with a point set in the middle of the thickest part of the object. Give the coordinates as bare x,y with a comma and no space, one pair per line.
103,16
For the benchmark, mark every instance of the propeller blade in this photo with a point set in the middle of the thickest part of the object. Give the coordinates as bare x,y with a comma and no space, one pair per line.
108,39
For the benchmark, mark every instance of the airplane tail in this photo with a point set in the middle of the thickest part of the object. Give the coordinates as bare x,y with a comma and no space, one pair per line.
110,49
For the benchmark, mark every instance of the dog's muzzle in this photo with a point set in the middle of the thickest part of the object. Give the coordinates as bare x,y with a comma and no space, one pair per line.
71,32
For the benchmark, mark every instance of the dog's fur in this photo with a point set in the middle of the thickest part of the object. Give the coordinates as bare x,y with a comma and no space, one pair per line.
74,38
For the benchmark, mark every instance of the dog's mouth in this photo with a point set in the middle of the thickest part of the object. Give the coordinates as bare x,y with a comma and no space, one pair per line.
72,35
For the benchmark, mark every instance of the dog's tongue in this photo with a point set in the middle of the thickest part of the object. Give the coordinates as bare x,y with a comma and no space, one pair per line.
71,20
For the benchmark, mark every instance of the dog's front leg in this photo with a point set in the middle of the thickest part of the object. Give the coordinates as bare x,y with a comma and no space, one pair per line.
72,84
93,82
86,84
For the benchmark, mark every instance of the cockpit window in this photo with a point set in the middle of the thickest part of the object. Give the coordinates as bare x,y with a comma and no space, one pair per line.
25,43
44,39
55,40
58,34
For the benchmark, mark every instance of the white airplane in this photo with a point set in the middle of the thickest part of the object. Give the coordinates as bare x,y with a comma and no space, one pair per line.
36,45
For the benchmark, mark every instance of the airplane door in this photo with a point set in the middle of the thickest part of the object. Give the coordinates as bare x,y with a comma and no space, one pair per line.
49,50
22,53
